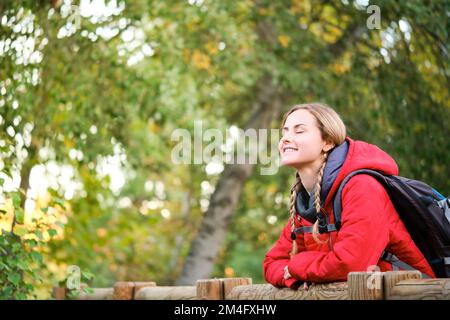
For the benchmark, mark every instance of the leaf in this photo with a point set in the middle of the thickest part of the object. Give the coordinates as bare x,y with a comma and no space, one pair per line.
22,265
20,231
52,232
59,202
39,234
284,40
88,290
19,215
36,256
14,278
16,200
7,292
21,296
31,242
87,275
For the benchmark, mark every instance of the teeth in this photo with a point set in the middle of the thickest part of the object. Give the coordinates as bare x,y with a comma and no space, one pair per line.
289,149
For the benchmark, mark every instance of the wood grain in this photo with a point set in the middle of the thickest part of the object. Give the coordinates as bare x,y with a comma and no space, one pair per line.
328,291
391,278
421,289
230,283
209,289
365,285
167,293
139,285
123,291
97,294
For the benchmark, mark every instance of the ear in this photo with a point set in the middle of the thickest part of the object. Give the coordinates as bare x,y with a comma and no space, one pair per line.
328,146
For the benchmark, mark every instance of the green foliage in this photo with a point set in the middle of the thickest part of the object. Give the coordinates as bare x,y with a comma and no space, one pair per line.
93,102
22,250
19,260
85,278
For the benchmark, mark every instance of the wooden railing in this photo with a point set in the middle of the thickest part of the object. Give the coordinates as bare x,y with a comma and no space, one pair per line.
396,285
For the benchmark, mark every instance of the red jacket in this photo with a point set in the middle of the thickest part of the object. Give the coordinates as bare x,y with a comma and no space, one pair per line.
370,224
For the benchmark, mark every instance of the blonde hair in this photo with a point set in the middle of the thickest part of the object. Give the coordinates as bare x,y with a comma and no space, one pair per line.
332,130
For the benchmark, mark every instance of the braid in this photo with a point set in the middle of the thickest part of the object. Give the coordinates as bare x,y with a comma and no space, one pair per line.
294,190
315,230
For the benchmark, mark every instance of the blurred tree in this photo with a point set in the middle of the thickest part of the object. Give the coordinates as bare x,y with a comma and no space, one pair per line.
100,87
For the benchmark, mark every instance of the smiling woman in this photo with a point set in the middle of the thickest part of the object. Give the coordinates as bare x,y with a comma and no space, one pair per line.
312,247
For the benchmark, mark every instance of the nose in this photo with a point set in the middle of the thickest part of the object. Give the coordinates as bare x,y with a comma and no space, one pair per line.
286,137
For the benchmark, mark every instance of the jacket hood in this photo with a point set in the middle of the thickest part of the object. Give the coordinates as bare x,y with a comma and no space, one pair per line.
351,155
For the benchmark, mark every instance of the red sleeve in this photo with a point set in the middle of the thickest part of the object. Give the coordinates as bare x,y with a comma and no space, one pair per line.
278,257
359,243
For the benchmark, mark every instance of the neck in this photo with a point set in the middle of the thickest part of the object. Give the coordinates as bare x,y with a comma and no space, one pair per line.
308,174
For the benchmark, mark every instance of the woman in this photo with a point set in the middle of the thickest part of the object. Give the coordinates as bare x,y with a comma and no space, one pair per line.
314,143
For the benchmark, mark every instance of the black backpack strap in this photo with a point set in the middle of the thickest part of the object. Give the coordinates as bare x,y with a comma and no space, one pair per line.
300,230
397,263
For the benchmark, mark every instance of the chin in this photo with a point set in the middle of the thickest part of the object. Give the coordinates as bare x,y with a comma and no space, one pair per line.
289,163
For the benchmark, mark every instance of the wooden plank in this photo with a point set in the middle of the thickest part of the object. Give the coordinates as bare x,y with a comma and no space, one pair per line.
127,290
253,292
140,285
365,285
421,289
230,283
391,278
97,294
167,293
209,289
59,293
123,291
326,291
62,293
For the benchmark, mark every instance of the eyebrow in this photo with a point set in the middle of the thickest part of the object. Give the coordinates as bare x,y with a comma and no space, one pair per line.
296,126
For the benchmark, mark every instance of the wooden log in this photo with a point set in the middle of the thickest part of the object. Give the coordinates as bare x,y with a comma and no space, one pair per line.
167,293
97,294
123,291
391,278
127,290
140,285
59,293
230,283
365,285
218,288
421,289
210,289
62,293
325,291
253,292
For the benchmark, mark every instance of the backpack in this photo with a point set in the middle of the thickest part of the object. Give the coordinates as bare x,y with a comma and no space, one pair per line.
424,212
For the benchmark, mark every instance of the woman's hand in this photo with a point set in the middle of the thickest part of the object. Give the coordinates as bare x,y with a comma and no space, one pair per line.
287,275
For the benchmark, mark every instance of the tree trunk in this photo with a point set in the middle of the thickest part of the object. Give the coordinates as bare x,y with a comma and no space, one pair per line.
25,171
206,245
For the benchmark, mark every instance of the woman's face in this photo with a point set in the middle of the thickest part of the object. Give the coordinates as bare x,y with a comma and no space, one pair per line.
301,142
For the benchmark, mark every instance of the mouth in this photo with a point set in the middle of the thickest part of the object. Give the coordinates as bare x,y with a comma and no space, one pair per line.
289,149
